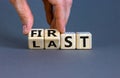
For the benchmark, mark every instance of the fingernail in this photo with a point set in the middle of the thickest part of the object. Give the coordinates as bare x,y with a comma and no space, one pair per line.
62,30
25,29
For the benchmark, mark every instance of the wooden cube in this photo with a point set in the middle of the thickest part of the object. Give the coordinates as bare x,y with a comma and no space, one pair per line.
36,39
84,40
52,39
68,40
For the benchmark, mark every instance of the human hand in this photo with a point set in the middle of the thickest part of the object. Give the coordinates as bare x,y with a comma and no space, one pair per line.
57,13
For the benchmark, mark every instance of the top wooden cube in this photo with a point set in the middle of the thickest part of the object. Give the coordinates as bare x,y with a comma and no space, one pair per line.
52,39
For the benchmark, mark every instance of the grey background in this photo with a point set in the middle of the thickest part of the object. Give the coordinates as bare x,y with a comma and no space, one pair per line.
100,17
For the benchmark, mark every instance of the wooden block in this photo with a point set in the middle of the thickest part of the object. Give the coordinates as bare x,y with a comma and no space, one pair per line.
68,40
36,39
52,39
84,40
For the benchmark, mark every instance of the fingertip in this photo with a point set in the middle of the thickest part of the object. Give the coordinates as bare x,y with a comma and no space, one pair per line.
61,29
26,29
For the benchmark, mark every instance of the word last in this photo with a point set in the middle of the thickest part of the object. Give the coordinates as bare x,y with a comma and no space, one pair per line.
52,39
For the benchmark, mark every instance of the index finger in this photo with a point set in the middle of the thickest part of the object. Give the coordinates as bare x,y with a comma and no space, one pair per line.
59,16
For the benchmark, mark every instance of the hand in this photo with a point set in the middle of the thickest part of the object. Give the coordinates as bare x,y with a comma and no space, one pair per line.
57,13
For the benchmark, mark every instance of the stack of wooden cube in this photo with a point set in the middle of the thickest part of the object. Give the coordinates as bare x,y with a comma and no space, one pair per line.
52,39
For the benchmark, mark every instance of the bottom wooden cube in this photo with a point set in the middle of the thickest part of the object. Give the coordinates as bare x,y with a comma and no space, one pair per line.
84,40
36,39
52,39
36,43
68,40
